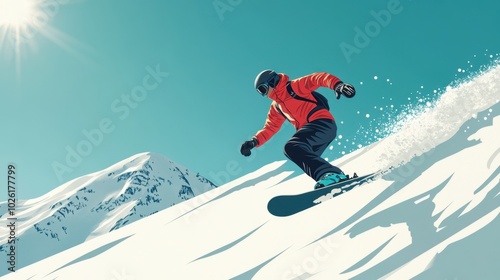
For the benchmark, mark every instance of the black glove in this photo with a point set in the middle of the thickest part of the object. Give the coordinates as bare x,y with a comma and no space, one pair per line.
247,146
344,89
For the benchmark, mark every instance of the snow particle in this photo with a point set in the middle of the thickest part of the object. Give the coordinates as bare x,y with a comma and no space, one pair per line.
340,136
367,115
375,77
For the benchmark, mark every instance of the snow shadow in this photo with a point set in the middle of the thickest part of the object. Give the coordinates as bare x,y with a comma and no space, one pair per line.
407,173
252,182
474,257
92,253
228,246
417,212
420,222
251,273
243,185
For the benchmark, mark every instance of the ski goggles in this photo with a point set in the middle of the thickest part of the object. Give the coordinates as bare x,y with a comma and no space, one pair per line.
263,89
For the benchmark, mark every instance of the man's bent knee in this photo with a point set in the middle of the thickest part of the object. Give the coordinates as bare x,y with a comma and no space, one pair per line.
290,149
293,149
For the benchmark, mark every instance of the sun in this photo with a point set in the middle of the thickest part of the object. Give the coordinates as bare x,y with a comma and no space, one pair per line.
22,21
16,13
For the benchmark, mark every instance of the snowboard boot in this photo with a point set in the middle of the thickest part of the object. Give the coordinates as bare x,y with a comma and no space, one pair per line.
329,179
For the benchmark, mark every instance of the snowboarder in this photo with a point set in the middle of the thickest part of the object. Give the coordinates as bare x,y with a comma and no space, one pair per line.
297,102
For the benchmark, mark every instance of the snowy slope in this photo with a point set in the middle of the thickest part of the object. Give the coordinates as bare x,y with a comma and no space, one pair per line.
98,203
435,216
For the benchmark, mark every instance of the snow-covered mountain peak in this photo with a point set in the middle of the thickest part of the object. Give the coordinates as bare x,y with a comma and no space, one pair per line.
101,202
135,162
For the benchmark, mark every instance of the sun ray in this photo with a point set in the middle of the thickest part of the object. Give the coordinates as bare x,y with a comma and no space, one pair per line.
68,44
15,17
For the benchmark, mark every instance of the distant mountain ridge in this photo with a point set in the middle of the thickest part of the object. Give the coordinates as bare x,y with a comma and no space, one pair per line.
101,202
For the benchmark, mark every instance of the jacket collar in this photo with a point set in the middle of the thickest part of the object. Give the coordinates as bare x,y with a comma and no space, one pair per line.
280,92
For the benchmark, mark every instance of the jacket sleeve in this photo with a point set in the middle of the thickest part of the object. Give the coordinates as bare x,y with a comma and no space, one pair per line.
273,124
314,81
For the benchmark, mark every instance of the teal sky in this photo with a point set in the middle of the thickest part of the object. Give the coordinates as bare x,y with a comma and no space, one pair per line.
88,68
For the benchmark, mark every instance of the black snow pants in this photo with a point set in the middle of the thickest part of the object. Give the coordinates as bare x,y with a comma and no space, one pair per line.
308,143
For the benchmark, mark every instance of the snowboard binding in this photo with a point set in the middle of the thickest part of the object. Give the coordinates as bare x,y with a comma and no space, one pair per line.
339,178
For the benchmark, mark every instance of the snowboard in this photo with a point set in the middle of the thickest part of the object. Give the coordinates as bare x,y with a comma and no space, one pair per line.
287,205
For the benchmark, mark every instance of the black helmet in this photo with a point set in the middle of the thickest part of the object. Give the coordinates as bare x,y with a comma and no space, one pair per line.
266,79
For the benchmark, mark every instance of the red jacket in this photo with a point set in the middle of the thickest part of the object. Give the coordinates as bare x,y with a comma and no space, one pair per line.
296,111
